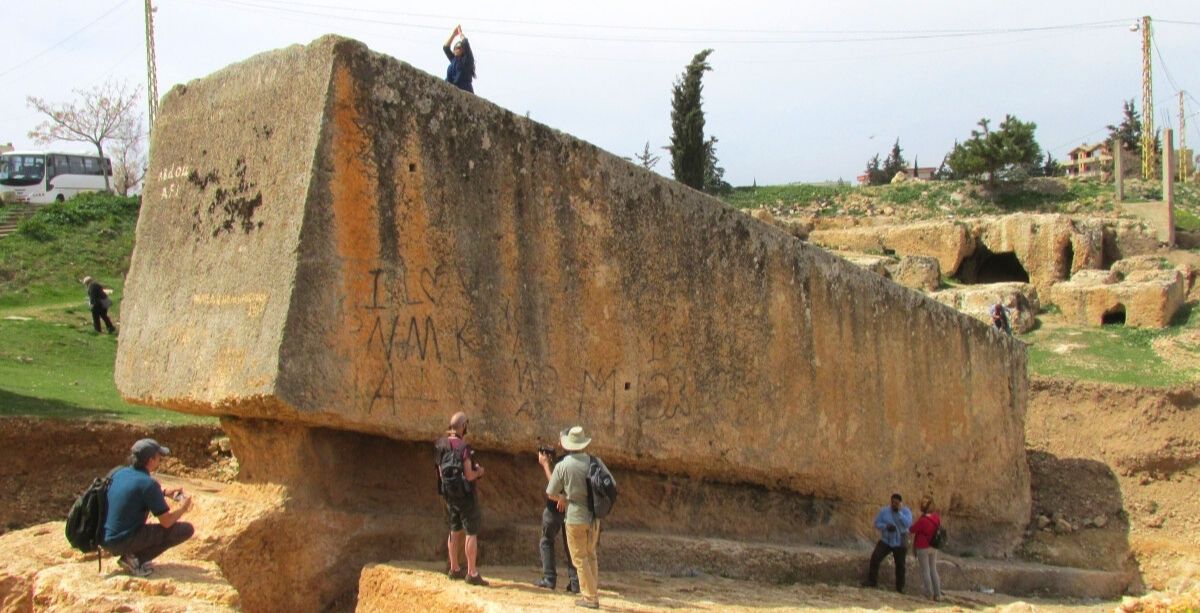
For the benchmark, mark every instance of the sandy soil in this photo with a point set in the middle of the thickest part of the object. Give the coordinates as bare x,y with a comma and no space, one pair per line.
1115,475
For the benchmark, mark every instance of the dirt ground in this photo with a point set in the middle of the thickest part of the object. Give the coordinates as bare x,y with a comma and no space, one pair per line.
1115,475
1128,456
47,463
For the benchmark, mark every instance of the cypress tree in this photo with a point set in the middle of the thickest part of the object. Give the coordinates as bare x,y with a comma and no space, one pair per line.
689,153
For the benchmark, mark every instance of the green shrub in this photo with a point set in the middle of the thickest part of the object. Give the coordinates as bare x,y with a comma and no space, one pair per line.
36,228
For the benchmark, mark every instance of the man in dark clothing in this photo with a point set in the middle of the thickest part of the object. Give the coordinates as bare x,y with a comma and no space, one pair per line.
892,522
133,495
462,509
99,301
553,517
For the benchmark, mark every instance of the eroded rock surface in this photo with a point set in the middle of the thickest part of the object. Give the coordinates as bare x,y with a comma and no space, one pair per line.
390,250
1143,298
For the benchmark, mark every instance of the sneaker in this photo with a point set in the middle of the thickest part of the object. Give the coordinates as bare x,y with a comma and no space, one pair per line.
587,604
457,574
544,583
130,565
477,580
573,588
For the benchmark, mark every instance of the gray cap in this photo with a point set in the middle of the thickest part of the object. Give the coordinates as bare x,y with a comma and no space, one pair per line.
148,448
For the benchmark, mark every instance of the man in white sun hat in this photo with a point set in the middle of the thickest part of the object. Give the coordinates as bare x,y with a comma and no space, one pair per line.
569,483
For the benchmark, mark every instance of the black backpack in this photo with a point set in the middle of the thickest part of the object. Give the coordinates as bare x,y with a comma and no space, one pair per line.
939,537
452,479
85,520
602,490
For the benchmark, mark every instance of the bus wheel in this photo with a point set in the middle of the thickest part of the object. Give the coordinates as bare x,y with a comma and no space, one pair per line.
60,198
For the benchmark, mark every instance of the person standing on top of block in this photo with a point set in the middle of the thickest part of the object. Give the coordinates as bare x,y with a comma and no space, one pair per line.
461,70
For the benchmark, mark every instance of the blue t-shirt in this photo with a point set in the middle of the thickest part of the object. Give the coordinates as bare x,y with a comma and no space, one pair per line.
132,495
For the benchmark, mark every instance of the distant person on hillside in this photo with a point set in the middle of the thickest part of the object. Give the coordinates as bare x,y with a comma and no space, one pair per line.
1000,318
553,518
893,522
457,474
100,302
132,496
923,531
462,62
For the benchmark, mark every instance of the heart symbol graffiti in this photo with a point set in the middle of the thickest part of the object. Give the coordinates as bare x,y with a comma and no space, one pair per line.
431,284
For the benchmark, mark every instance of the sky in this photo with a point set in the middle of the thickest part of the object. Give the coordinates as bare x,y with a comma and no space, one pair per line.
799,91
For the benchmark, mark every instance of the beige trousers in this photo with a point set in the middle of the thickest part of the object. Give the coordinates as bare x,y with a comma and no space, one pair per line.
582,540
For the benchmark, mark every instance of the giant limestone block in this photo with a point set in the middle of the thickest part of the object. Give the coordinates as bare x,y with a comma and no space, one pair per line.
332,238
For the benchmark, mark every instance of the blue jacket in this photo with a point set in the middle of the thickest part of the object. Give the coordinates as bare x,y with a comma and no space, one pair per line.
902,520
461,69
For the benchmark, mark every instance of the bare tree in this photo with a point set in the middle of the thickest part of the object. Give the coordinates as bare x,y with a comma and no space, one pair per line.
645,158
129,161
102,114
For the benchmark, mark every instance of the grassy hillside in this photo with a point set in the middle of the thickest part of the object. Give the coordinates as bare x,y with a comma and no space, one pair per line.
52,363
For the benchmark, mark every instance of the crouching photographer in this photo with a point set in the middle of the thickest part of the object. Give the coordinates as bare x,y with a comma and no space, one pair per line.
553,517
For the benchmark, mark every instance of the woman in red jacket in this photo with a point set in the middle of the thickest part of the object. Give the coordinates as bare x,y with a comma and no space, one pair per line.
923,530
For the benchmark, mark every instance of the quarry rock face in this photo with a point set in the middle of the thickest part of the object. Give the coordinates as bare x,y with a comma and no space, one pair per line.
1021,299
950,242
331,240
1143,298
919,272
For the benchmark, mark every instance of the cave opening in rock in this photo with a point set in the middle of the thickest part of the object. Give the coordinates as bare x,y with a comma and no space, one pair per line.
984,266
1114,316
1066,259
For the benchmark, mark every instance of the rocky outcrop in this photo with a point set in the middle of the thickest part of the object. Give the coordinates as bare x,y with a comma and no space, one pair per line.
1021,300
949,242
917,272
391,250
1145,298
1048,247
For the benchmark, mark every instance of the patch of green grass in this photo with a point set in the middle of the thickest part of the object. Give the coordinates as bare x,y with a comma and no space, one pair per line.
65,370
784,195
1109,354
1187,221
51,362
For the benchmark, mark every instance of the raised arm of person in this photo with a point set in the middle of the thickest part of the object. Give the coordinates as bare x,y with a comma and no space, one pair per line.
450,41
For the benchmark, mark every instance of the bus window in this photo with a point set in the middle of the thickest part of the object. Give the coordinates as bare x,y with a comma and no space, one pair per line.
22,170
57,165
90,166
76,165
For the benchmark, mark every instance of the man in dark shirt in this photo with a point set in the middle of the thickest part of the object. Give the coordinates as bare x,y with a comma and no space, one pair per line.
133,495
99,301
462,511
553,517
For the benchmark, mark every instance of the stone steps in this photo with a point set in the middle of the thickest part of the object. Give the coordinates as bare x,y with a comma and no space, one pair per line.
11,216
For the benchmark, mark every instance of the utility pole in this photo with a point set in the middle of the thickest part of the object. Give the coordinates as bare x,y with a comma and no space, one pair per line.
1184,153
1149,155
151,65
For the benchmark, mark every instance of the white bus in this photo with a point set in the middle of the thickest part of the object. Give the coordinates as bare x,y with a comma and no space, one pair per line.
41,177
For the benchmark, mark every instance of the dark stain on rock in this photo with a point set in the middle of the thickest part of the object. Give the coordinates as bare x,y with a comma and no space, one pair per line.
234,208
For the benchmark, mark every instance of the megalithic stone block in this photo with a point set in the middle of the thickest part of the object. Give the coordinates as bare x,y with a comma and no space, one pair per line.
331,237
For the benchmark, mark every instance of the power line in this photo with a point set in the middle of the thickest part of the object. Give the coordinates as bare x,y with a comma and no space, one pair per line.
969,31
873,37
67,38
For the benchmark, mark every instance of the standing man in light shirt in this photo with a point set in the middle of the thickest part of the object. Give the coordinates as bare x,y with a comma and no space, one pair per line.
892,522
569,483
